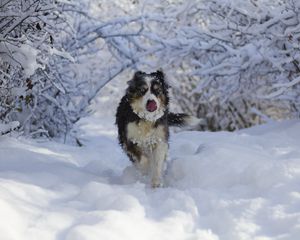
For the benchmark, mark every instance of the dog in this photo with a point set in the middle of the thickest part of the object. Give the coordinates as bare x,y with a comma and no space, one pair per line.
143,120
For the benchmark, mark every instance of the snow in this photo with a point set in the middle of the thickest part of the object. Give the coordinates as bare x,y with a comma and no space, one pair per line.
25,55
4,128
226,186
62,54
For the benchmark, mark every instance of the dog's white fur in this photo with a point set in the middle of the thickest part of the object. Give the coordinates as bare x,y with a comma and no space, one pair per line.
149,139
158,159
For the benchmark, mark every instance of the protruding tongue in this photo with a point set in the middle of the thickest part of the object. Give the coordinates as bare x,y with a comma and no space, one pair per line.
151,106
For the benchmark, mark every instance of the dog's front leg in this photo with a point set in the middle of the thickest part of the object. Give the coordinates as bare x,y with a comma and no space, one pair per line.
143,165
159,154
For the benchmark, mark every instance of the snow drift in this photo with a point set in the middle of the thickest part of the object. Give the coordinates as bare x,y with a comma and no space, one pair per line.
227,186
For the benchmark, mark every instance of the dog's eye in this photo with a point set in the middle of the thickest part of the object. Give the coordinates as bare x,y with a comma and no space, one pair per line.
156,89
143,90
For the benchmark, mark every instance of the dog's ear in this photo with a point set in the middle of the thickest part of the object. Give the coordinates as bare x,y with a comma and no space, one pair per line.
160,74
136,76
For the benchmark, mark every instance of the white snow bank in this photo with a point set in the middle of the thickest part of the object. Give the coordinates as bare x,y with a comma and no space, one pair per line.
224,186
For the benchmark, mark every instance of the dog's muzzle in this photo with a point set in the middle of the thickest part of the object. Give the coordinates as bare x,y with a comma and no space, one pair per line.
151,105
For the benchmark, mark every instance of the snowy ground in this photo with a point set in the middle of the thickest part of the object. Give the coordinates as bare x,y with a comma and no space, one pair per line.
227,186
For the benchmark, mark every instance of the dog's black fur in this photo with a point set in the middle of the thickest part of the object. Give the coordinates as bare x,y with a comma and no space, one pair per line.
142,133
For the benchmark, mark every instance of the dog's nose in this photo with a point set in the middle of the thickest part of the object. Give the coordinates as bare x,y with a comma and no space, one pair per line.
151,105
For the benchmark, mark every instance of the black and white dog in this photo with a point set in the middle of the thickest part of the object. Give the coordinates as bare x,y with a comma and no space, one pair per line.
143,121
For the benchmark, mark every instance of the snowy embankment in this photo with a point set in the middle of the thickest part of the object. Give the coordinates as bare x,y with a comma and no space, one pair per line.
227,186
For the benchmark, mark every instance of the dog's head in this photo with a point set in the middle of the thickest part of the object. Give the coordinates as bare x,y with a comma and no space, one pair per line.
148,95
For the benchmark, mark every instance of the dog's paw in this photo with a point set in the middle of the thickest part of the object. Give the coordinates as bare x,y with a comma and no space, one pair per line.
156,183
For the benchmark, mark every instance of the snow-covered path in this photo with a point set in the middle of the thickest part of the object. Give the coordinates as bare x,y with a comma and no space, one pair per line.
227,186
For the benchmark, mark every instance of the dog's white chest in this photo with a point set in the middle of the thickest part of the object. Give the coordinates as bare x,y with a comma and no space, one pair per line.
145,133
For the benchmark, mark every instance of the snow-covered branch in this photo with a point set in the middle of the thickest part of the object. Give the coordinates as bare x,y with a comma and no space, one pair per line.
223,58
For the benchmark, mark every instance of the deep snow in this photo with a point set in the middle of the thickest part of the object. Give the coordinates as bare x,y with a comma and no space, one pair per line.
227,186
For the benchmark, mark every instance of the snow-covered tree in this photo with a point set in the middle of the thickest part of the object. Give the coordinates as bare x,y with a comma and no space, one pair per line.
30,52
54,61
235,63
242,67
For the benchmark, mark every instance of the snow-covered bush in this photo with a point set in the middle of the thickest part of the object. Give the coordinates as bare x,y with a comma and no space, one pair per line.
242,67
53,62
47,77
235,63
31,53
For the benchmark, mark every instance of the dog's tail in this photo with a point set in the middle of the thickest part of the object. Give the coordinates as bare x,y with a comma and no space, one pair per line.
184,120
